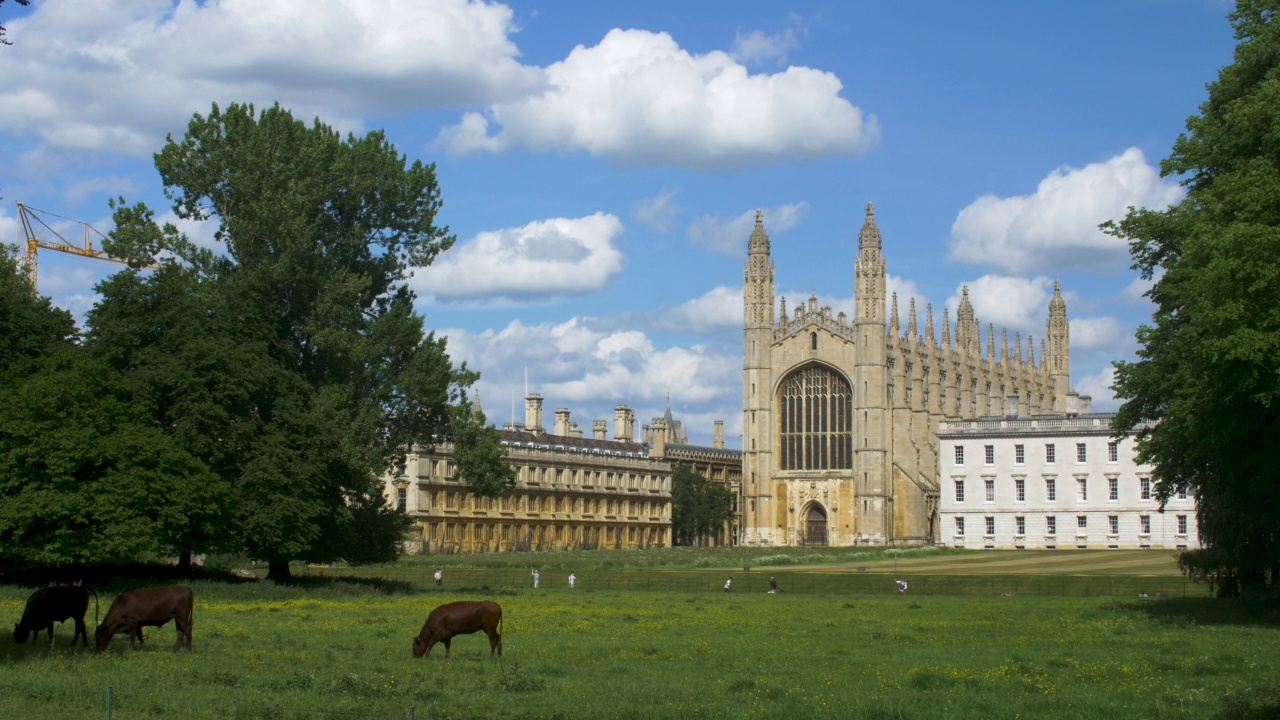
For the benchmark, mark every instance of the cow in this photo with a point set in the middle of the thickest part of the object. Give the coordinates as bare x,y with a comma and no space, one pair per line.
56,603
460,618
135,609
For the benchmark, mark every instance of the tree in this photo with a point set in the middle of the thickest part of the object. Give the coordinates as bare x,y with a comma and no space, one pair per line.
1204,393
340,377
3,40
698,507
30,326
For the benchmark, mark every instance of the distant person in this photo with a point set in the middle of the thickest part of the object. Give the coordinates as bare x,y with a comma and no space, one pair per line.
773,586
439,577
728,585
902,586
536,578
573,580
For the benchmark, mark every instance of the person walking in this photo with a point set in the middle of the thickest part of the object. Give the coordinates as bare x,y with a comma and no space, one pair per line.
773,586
902,586
439,577
728,585
573,579
536,578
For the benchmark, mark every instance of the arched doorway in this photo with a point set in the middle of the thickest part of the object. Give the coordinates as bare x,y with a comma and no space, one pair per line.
815,525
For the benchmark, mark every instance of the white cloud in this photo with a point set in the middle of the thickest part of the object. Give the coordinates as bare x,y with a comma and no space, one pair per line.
1098,386
559,256
1018,304
757,47
659,212
640,97
1098,333
589,365
730,236
113,185
1057,226
118,74
720,309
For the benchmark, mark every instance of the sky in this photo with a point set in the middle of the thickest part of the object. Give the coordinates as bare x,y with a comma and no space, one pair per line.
601,163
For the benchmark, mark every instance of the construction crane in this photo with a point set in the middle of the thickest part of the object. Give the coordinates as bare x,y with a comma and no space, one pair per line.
32,219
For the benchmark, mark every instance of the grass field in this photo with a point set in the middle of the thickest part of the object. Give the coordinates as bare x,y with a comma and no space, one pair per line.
330,646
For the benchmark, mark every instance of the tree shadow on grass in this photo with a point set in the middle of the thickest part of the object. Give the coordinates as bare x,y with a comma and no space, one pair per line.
356,584
1244,612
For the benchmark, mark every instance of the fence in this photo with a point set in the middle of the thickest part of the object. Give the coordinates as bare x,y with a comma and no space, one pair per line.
111,707
789,580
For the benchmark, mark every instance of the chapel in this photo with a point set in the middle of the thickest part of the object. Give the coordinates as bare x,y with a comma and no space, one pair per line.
841,414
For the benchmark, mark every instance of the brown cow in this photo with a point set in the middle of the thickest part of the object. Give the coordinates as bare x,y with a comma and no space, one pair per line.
154,607
460,618
54,604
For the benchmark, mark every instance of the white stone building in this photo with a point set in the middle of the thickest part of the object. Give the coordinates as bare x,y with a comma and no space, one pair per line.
1045,482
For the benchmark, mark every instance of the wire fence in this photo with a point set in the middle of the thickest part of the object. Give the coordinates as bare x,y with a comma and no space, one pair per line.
111,705
757,580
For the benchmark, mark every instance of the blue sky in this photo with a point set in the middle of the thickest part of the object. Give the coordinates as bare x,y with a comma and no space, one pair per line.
600,163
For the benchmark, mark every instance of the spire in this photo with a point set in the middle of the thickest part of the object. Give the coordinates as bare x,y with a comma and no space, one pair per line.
1044,358
991,341
946,329
893,316
759,241
476,405
964,320
928,325
782,309
870,235
1004,346
1031,352
1017,346
912,332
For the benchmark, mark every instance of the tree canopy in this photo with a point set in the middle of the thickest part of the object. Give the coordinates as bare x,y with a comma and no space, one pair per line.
256,393
699,507
1207,377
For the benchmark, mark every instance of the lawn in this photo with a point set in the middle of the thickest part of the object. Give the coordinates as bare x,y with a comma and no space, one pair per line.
328,646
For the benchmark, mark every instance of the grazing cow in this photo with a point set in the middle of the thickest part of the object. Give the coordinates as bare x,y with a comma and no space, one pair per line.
460,618
154,607
54,604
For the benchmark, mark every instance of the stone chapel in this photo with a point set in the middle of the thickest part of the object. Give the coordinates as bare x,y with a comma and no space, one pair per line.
841,414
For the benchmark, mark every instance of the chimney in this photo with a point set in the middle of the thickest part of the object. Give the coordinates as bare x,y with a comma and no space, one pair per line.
562,421
646,433
1086,404
719,441
1073,404
625,424
574,430
533,413
1011,406
659,447
600,428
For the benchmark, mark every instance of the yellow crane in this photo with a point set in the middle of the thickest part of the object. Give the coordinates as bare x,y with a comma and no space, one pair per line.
33,224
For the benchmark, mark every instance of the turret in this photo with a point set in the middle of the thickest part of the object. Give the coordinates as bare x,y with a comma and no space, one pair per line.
874,518
1058,332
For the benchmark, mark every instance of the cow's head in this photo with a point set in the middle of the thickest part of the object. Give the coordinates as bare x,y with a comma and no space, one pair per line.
103,636
419,647
20,634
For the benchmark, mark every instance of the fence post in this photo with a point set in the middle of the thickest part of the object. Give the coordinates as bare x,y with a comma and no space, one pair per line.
109,698
412,715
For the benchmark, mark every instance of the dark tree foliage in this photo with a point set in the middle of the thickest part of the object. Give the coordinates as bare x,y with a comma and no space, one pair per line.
29,326
699,508
1207,378
479,455
3,40
294,364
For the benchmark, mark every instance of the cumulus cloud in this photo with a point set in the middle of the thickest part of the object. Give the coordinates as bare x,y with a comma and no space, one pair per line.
758,47
640,97
1057,225
559,256
1018,304
590,365
659,212
1098,333
1098,386
118,74
730,236
718,310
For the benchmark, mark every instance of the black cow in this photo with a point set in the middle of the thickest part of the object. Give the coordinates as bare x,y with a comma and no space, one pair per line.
460,618
54,604
145,607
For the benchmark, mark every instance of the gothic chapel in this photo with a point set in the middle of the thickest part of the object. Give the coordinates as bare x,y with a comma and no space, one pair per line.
841,414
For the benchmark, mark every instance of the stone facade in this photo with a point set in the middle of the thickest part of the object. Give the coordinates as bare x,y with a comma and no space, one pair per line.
571,492
1053,483
840,414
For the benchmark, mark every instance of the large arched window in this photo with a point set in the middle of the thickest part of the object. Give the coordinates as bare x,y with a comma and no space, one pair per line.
816,412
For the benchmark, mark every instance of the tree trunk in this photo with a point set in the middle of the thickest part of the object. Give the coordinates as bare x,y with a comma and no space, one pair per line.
184,563
278,572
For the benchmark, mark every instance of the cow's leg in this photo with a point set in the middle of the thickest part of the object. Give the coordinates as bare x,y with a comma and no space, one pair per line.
82,632
446,648
184,631
50,629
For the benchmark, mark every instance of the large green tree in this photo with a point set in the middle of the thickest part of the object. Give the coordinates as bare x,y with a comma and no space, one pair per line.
300,371
699,507
1204,392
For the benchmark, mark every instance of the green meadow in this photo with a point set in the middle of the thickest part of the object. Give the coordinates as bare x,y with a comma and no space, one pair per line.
338,644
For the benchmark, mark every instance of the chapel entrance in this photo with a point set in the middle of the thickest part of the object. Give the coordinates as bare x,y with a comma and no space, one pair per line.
815,526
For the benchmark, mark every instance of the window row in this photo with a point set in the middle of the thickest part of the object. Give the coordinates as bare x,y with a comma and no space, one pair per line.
449,500
1051,525
1050,453
1051,489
